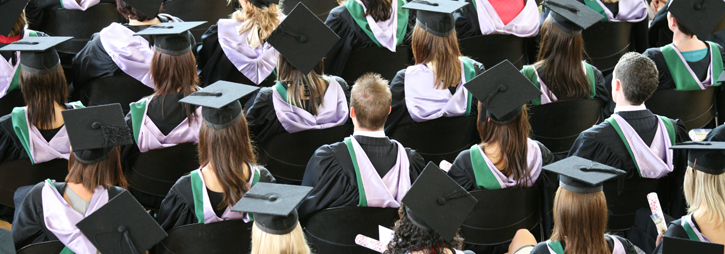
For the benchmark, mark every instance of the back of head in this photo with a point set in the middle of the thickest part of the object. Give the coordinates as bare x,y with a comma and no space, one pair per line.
580,221
638,76
442,52
174,74
560,61
512,139
106,172
706,192
259,21
379,10
41,92
311,84
291,243
131,13
409,237
370,97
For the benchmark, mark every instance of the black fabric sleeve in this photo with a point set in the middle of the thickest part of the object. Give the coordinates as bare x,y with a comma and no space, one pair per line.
417,164
209,43
602,91
333,186
265,176
466,20
399,111
462,171
177,208
639,37
546,156
28,226
261,117
665,78
674,230
10,146
677,204
91,63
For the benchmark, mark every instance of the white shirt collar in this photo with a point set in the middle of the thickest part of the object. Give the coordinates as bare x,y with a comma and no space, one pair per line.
373,134
629,108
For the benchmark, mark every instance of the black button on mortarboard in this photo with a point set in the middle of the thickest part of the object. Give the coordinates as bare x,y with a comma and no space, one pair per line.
441,201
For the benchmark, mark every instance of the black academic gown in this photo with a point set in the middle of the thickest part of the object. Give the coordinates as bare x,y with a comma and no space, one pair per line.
177,209
262,118
92,62
639,40
10,146
629,248
37,10
29,227
676,230
399,114
352,37
331,174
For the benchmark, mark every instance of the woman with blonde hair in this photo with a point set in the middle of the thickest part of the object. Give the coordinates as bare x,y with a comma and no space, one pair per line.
433,87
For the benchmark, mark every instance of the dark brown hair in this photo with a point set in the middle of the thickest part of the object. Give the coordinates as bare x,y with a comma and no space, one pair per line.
560,61
638,76
442,52
19,25
379,10
131,13
41,93
174,74
409,237
371,98
512,138
226,151
106,172
317,86
580,221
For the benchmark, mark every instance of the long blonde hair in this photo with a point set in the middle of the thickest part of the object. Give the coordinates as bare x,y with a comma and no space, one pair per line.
291,243
259,21
580,221
705,192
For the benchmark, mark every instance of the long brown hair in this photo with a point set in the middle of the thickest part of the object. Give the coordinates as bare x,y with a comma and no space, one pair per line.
560,61
106,172
41,93
512,138
317,86
174,74
379,10
442,52
227,151
261,21
580,221
19,26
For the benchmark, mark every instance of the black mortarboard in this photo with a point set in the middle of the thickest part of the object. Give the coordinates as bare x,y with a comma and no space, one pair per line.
150,8
571,16
583,176
37,54
436,16
700,16
438,203
503,91
263,3
671,245
95,131
122,226
220,102
171,38
303,39
273,205
708,157
6,242
10,11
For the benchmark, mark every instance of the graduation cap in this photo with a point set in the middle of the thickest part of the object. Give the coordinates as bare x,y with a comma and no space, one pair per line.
671,245
700,16
436,16
220,102
273,205
7,246
708,157
150,8
37,54
303,39
263,3
438,203
122,226
503,91
10,11
571,16
171,38
95,131
584,176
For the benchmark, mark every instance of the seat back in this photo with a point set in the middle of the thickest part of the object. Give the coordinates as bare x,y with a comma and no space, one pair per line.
42,248
623,206
155,172
606,42
334,230
11,100
491,223
84,24
486,50
700,108
321,8
231,236
199,10
121,89
18,173
285,155
558,124
376,59
439,139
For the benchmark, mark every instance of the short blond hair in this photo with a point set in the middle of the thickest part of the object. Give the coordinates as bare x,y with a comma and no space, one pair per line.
371,98
291,243
705,192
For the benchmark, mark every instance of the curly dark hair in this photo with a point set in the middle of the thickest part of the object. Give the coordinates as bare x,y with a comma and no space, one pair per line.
409,237
132,13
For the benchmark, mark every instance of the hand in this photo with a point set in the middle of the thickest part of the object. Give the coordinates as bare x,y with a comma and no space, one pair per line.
659,240
657,5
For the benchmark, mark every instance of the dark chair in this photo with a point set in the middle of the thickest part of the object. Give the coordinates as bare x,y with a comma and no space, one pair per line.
495,218
440,139
11,100
698,113
376,59
232,236
334,230
487,49
18,173
121,89
623,206
286,154
606,42
558,124
321,8
42,248
155,172
85,23
199,10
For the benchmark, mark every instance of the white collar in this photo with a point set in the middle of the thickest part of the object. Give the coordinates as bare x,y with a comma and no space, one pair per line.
372,134
629,108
